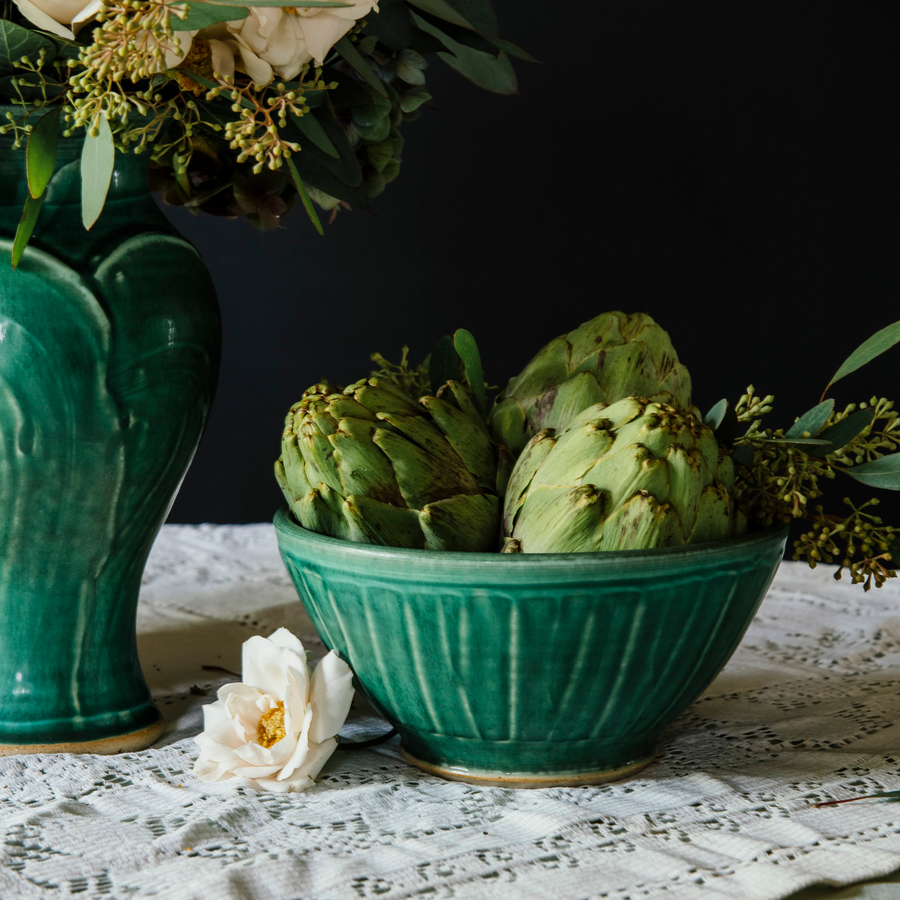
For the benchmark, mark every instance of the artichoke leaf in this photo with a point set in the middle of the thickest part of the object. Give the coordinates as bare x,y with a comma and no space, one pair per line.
559,406
422,482
562,519
467,522
374,522
529,462
628,471
363,469
470,442
714,516
643,522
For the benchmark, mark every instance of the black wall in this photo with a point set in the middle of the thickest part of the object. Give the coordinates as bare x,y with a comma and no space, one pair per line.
730,168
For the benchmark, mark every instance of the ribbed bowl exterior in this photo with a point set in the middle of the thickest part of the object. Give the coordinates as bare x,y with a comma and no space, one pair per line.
539,665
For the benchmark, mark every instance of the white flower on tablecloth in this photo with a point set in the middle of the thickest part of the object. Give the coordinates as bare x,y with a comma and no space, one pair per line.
277,41
62,17
277,728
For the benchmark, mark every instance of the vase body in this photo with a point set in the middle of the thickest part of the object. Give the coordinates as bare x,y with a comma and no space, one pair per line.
109,351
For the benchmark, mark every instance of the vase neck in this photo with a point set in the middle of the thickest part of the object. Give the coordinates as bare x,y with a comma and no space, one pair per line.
129,209
129,180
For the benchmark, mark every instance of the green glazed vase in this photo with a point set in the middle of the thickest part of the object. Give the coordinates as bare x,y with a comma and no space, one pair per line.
109,351
531,670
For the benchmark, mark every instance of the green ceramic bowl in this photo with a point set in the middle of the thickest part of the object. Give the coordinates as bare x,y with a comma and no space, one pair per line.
533,669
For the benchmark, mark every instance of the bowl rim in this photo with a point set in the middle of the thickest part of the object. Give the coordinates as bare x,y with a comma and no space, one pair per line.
286,527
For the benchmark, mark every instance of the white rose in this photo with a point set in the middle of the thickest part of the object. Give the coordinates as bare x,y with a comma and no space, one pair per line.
276,729
278,41
55,15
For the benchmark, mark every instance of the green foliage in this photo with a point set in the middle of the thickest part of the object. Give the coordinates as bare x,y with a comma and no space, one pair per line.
780,472
97,164
26,227
215,144
40,159
201,14
16,42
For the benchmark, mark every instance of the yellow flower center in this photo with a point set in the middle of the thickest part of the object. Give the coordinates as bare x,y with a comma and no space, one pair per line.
199,61
271,726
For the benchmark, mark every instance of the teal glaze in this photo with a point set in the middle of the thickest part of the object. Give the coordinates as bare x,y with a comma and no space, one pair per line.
534,666
109,350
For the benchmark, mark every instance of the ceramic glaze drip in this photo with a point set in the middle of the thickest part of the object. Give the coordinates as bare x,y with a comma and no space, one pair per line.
108,359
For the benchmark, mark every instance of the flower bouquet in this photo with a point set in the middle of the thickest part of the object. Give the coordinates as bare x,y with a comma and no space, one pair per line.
241,108
531,589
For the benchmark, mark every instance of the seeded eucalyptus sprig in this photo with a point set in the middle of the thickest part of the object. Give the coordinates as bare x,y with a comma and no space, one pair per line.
781,470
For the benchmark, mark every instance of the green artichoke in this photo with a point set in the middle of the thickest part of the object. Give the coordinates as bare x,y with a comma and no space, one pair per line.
604,360
370,464
629,476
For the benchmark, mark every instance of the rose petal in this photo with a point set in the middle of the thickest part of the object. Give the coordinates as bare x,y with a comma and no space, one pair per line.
301,748
288,641
295,705
321,33
282,787
38,17
264,666
222,59
319,754
330,696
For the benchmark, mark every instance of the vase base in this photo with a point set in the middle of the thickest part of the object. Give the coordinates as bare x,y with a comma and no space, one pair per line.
123,743
526,779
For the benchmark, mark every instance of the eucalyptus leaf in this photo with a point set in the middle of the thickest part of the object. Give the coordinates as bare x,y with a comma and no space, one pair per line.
312,128
467,348
98,159
444,364
881,473
304,196
474,15
812,421
493,73
724,422
333,176
840,434
16,42
40,152
26,227
803,443
743,455
715,416
358,63
444,10
201,15
867,351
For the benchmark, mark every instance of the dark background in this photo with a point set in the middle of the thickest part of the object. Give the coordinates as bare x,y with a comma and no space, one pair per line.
729,168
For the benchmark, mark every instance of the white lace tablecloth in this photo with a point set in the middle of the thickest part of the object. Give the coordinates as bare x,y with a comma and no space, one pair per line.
805,711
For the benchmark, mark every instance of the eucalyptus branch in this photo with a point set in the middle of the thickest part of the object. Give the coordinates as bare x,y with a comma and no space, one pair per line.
783,474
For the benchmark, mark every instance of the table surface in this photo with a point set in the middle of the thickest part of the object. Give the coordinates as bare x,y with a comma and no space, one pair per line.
805,711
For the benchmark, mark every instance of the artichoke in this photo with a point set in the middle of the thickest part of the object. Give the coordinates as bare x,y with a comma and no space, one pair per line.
373,465
611,357
629,476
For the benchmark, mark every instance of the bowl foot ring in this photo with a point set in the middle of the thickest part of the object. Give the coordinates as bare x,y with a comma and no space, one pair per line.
522,780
